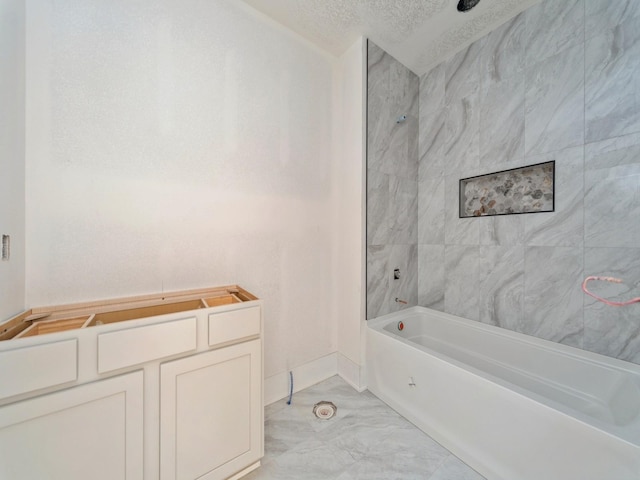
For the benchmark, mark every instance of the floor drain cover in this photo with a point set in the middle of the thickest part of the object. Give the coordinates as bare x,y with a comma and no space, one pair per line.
324,410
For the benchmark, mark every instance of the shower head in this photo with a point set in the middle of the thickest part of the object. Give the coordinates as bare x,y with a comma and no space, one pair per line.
466,5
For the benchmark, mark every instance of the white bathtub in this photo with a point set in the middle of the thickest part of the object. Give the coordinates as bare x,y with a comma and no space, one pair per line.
513,407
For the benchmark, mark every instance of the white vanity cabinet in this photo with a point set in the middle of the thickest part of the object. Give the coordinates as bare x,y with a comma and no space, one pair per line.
146,388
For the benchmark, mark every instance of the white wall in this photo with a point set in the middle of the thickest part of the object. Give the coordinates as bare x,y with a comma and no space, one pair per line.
173,145
349,187
12,173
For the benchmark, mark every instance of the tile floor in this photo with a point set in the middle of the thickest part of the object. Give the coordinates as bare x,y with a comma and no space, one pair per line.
365,440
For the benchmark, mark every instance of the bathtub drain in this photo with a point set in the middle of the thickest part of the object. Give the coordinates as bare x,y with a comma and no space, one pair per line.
324,410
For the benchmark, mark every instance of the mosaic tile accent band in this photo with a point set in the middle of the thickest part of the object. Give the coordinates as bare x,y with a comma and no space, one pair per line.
527,189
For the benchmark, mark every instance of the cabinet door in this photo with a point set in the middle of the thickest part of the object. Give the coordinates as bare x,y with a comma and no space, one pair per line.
91,431
211,413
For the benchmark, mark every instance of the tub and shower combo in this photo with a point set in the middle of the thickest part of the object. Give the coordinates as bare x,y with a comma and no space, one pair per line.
513,407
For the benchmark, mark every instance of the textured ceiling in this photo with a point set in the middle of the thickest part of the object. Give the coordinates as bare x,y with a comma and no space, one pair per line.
419,33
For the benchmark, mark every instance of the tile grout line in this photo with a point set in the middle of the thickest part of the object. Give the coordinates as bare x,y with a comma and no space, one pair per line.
584,142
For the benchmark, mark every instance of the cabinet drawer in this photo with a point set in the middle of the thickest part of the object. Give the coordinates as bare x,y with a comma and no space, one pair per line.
227,326
32,368
125,348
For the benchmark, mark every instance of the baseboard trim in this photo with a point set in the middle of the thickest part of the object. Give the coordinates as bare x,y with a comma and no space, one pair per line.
352,373
277,387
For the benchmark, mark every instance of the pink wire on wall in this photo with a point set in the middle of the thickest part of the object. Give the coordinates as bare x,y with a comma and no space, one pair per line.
604,300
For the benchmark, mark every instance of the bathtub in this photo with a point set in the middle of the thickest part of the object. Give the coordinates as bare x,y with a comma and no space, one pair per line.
512,406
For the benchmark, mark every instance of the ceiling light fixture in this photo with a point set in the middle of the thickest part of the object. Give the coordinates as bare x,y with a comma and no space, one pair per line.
466,5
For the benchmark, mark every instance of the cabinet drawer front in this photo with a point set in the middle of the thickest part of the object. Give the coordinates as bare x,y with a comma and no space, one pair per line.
125,348
32,368
227,326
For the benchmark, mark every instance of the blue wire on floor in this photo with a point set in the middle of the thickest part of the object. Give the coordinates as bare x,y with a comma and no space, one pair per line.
290,387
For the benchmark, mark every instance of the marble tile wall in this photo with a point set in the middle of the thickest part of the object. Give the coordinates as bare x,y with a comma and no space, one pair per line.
561,81
392,184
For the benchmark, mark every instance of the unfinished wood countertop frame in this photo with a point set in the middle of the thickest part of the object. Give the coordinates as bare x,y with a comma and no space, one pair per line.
43,320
